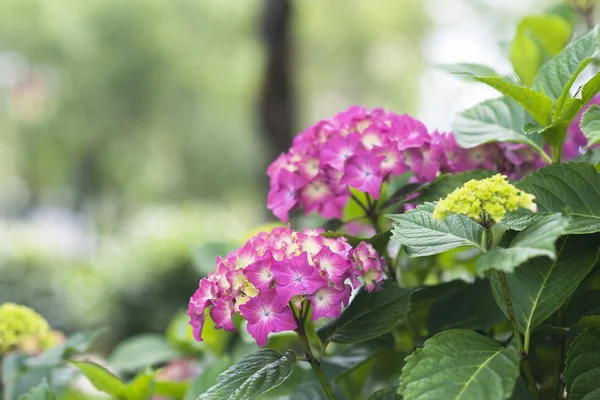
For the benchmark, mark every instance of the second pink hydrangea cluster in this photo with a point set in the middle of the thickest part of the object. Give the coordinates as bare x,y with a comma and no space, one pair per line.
273,270
362,148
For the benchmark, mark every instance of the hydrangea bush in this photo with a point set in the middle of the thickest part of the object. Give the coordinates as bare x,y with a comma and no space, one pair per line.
446,265
509,196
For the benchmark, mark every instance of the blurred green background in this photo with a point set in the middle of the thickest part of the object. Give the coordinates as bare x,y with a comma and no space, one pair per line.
134,134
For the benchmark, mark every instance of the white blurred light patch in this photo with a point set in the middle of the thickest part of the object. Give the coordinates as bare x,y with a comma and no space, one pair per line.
462,33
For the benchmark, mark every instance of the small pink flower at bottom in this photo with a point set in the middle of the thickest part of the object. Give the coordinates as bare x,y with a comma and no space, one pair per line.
372,279
295,276
265,314
369,265
327,301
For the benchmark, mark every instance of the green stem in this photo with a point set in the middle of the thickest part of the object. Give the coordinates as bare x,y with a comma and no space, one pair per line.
557,154
511,312
369,211
372,215
562,344
543,154
360,204
394,268
529,378
310,357
523,348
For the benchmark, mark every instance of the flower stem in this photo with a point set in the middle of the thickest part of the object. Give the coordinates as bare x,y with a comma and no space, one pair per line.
529,378
557,154
310,357
510,309
360,204
557,386
547,159
523,348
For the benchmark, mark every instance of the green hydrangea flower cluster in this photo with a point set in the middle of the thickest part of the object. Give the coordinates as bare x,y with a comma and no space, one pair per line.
478,199
24,329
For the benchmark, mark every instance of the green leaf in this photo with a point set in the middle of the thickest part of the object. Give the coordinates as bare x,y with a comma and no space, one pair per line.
590,124
494,120
141,387
174,389
422,235
541,286
562,103
369,315
537,104
402,194
526,58
470,307
590,89
386,394
566,110
102,379
521,391
208,377
468,69
41,392
344,365
555,133
460,364
589,321
536,36
252,376
142,351
309,391
570,188
582,370
445,184
17,378
556,76
537,240
564,11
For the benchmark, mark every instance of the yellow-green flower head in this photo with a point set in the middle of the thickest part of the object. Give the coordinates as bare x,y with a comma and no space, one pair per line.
492,197
24,329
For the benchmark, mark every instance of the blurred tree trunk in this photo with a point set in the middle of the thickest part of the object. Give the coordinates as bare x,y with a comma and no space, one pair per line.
276,100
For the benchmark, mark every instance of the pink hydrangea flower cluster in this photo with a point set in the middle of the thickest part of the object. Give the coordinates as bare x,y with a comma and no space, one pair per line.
273,270
362,148
358,148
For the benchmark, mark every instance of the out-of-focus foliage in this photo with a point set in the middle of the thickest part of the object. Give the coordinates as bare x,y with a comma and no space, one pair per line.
113,112
118,102
132,280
